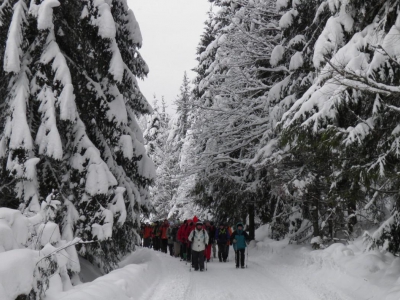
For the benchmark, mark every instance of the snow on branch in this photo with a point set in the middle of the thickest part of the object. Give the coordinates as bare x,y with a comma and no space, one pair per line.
13,52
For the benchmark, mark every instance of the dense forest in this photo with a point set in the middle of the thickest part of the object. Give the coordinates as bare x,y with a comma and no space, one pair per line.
293,112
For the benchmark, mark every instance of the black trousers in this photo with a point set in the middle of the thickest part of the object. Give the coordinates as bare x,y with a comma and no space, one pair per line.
240,254
171,249
223,251
147,242
183,250
164,245
198,259
156,243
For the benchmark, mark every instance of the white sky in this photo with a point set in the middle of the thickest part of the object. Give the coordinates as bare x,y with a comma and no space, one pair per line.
171,31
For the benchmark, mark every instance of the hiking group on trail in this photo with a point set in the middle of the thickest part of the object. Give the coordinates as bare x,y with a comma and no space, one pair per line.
194,241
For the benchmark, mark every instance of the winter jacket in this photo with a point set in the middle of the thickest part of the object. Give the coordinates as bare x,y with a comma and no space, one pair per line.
230,234
222,235
170,235
156,231
180,235
174,233
163,231
241,237
211,233
147,231
199,239
190,226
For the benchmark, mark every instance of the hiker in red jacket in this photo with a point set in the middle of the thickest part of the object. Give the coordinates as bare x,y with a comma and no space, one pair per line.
211,234
181,239
164,236
147,232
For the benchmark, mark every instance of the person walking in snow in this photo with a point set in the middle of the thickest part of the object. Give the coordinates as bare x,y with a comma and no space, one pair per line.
177,245
170,236
156,236
229,243
147,231
211,234
199,240
222,237
239,239
214,244
181,240
190,226
164,236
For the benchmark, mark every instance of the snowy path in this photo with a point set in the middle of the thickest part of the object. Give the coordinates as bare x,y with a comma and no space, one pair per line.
264,280
277,271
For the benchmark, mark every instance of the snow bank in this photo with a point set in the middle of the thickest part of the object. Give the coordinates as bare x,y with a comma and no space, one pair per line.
348,269
353,260
380,270
16,273
262,232
17,223
138,273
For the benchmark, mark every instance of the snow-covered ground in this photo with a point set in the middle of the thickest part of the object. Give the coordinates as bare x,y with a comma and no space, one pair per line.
275,271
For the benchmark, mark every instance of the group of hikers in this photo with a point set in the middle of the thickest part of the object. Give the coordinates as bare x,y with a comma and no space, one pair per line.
193,240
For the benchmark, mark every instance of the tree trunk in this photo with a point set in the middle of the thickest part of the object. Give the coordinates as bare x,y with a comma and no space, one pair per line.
314,214
352,220
252,227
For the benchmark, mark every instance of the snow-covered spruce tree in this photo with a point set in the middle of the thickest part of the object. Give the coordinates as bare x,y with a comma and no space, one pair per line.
171,171
69,104
348,115
232,122
156,136
297,177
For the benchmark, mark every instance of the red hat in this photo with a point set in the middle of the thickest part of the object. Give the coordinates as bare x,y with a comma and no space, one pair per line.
195,219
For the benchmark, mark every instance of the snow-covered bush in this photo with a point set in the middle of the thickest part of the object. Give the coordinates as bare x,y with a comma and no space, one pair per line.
34,258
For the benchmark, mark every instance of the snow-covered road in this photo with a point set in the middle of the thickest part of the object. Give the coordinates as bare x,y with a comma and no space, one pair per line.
262,280
276,271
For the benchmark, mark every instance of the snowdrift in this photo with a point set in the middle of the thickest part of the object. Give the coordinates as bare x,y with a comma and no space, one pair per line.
134,279
349,268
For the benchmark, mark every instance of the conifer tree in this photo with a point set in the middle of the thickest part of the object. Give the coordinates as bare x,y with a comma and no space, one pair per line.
344,107
156,136
68,121
232,122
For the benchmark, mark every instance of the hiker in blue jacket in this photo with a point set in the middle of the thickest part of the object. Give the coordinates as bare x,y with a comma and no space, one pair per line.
222,238
239,239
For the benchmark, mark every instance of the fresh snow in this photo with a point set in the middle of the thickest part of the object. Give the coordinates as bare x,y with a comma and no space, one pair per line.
12,62
287,19
276,270
16,272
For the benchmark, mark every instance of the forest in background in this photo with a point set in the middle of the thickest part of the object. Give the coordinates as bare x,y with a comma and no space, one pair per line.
293,112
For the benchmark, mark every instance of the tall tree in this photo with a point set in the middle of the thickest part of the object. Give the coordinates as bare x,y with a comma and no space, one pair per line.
233,120
69,104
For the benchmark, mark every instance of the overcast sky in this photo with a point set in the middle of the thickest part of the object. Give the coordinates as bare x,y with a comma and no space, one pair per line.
171,30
